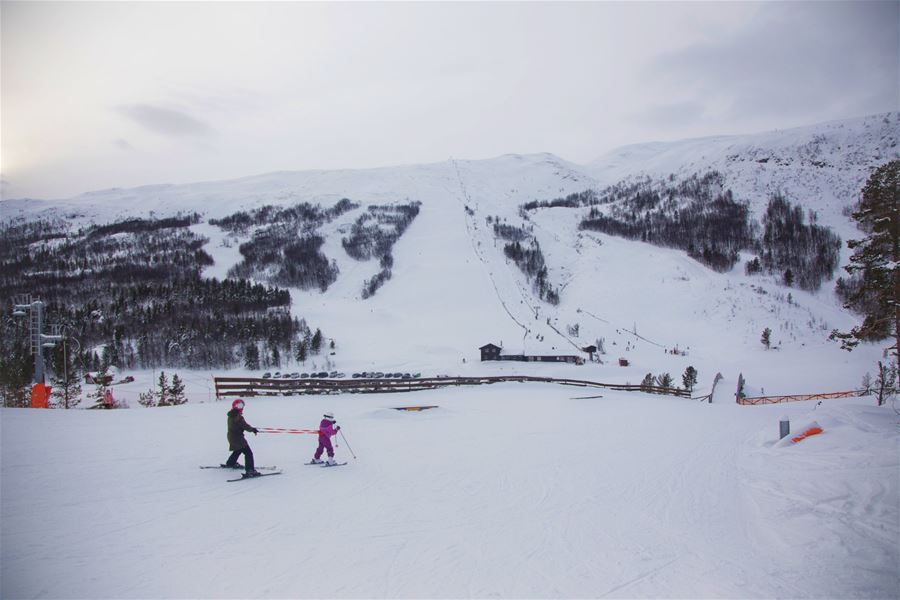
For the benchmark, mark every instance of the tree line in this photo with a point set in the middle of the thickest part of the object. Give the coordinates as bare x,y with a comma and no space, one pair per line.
374,234
700,216
312,215
805,254
525,251
695,215
131,294
285,248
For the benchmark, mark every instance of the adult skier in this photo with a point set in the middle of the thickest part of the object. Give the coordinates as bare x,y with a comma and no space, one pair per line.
236,441
326,431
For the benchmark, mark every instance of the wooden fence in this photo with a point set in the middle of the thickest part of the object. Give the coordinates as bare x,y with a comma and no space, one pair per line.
250,386
801,397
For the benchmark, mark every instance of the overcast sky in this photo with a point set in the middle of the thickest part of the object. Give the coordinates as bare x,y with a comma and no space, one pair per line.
98,95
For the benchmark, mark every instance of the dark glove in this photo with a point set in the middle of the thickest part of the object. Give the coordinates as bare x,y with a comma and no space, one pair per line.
255,431
338,428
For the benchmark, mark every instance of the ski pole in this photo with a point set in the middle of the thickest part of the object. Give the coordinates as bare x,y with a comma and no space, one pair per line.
348,444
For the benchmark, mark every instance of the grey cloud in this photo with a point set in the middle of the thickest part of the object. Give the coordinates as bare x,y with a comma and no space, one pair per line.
794,59
165,121
8,191
672,114
122,144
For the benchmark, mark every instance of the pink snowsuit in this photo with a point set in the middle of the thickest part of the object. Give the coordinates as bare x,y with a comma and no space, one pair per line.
326,430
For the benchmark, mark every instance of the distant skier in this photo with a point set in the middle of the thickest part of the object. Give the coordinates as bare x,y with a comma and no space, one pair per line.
326,431
236,441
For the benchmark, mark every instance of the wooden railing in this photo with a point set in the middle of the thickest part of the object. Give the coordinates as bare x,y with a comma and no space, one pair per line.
801,397
250,386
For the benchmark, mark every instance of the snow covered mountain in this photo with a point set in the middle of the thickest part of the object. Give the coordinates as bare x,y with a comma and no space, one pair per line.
823,166
507,490
453,288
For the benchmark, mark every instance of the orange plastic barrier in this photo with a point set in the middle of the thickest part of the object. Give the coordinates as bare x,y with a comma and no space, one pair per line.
807,433
40,396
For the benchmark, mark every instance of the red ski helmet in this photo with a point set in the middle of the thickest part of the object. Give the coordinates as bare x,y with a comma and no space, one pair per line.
238,405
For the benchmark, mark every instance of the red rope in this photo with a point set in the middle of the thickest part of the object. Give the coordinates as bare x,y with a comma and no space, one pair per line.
283,430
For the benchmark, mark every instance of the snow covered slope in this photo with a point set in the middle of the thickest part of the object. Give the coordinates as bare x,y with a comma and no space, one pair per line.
823,167
453,289
504,491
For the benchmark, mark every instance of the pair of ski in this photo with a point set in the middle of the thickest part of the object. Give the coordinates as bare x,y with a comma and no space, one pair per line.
325,464
245,476
274,472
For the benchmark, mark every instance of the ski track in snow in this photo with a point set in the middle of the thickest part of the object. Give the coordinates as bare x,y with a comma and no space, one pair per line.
506,491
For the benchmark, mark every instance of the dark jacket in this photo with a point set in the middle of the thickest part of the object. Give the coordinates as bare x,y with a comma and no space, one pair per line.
236,428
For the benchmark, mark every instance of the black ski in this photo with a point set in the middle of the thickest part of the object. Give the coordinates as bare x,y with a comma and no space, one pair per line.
244,477
236,467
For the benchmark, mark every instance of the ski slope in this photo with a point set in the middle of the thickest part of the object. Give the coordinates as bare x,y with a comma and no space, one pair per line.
453,290
513,491
508,491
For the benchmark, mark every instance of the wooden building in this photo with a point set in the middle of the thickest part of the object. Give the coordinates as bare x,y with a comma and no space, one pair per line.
492,352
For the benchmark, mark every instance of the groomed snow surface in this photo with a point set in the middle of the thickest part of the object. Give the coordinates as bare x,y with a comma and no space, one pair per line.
510,490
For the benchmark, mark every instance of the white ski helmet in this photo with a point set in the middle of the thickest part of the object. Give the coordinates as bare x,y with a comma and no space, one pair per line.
329,415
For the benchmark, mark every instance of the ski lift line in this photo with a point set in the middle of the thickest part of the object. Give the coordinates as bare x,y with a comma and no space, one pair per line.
478,253
626,330
522,293
563,336
640,337
595,316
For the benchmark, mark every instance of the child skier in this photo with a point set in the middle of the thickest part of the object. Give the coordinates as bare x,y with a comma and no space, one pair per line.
236,442
326,431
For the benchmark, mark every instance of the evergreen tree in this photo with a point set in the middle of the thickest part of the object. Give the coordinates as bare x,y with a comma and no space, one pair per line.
251,357
766,338
885,382
665,380
276,356
740,394
163,397
753,266
16,381
176,391
876,261
106,358
316,344
647,382
689,379
65,381
302,351
788,278
147,399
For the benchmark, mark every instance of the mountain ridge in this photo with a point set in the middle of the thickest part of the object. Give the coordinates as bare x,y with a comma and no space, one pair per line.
455,283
